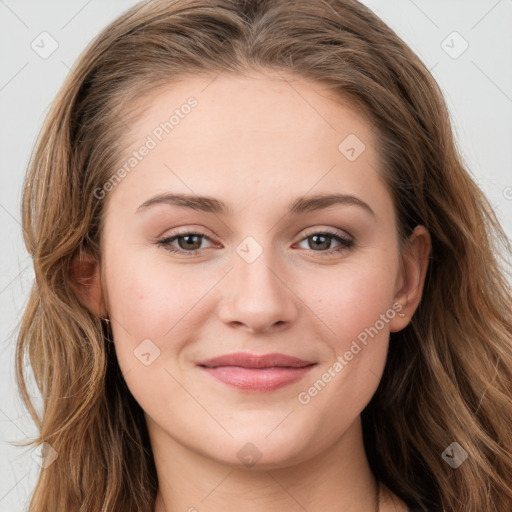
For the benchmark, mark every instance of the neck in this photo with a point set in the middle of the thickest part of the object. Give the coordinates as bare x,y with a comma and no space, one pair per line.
335,480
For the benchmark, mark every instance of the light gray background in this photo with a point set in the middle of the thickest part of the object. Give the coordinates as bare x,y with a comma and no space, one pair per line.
477,85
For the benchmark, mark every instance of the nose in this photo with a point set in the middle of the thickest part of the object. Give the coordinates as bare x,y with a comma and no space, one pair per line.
257,297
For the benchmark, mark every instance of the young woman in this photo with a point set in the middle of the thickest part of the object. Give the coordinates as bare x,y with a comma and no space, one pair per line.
264,279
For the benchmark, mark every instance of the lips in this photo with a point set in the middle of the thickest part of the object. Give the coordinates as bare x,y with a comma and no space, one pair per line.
253,372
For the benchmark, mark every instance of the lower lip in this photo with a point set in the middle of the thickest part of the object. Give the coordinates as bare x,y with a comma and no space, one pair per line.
260,379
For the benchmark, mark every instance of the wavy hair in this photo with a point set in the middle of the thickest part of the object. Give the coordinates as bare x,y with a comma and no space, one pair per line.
448,376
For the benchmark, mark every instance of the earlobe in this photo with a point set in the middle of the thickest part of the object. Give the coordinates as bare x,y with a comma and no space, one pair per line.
84,275
413,272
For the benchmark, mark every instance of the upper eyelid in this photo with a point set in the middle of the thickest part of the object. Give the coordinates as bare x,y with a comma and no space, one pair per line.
184,233
330,231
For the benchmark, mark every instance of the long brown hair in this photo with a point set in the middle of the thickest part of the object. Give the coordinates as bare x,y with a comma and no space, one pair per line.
448,376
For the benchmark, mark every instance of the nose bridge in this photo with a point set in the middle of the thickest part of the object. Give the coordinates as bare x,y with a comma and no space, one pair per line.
258,297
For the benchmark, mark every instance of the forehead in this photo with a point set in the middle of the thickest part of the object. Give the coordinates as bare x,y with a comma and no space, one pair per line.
251,105
215,134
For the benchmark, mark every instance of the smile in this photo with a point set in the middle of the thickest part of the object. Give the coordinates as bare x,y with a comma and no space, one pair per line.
253,372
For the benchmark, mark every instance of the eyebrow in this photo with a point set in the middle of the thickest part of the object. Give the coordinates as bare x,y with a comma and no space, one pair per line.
212,205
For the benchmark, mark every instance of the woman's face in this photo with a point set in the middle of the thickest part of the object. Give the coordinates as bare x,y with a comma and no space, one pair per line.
267,267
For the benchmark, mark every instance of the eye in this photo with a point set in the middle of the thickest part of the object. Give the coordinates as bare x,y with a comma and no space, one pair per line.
323,240
188,243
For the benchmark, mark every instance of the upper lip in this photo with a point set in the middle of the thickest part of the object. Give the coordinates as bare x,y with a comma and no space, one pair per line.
246,360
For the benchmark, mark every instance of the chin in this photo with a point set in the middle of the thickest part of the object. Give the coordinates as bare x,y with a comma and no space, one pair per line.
255,452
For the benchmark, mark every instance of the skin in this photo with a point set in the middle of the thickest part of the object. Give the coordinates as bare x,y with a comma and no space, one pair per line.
256,142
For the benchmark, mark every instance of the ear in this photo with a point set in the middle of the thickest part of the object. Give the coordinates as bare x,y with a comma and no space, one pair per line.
412,277
84,275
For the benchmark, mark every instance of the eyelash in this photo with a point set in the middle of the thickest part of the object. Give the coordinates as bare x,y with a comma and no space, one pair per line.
345,243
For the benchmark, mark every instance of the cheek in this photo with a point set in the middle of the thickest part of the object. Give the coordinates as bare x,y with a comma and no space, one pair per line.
151,299
142,300
355,303
353,297
145,301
